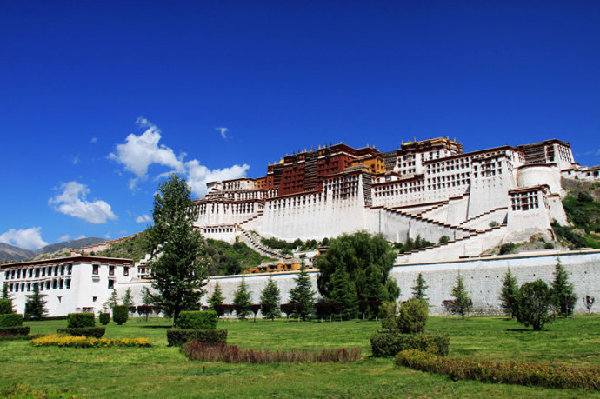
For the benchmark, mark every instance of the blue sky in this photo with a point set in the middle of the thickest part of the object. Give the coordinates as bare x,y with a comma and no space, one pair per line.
98,100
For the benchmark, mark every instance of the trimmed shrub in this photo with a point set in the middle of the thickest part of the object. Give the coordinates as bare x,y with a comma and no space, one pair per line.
120,314
5,306
96,332
512,372
66,341
389,343
412,317
81,320
11,320
197,320
14,331
178,337
104,318
232,354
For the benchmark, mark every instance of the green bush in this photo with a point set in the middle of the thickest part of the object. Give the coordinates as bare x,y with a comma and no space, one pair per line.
120,314
81,320
104,318
5,306
14,331
197,320
548,245
512,372
11,320
96,332
178,337
534,301
389,343
412,317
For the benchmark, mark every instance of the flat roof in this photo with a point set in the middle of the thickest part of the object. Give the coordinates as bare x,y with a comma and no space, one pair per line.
68,259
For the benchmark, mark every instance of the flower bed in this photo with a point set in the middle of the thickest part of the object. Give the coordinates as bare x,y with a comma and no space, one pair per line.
232,354
513,372
68,341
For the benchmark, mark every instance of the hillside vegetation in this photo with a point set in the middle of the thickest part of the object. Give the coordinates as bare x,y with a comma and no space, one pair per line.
583,213
223,258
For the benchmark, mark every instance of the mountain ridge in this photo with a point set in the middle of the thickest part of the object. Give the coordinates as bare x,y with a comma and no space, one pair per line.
13,253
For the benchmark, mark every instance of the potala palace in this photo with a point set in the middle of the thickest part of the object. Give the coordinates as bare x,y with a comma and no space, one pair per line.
477,200
428,188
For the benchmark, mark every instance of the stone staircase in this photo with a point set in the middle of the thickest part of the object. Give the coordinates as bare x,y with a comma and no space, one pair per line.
253,241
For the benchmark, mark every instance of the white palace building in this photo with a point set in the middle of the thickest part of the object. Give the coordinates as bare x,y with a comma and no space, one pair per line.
429,188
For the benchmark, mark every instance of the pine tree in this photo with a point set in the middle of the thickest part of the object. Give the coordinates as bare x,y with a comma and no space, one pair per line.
419,289
112,301
302,295
127,299
462,301
508,296
344,292
178,267
35,307
216,298
269,299
563,297
241,300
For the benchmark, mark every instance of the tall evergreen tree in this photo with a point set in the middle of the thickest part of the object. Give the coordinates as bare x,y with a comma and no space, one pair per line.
176,248
35,307
563,295
508,295
269,299
419,289
241,300
127,298
344,292
5,294
462,301
217,297
302,295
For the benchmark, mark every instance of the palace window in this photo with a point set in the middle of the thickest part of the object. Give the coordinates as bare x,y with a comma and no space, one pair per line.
95,269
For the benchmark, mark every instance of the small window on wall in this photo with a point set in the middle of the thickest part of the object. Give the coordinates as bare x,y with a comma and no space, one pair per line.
94,298
125,271
59,299
95,269
68,284
111,284
111,271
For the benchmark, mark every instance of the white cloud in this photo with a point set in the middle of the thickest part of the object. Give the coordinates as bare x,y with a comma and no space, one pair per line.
75,160
223,131
143,219
24,238
64,238
94,140
139,152
73,202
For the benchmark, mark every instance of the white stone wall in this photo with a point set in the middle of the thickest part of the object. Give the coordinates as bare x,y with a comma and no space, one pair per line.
535,175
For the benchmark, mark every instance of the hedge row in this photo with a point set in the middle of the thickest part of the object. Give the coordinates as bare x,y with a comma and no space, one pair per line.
11,320
81,320
5,306
178,337
389,343
67,341
197,320
14,331
233,354
512,372
96,332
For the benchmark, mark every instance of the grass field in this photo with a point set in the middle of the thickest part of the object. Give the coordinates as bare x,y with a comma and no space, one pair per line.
164,372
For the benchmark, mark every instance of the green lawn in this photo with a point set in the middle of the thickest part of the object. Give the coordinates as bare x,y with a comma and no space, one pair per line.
163,372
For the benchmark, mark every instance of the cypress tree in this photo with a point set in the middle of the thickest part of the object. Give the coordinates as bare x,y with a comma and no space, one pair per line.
418,290
127,299
269,299
302,295
563,297
217,297
508,296
241,300
462,301
344,292
35,307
